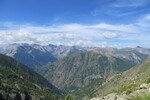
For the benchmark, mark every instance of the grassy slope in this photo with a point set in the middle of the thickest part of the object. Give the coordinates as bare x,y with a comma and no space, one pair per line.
10,62
17,78
13,81
136,75
145,97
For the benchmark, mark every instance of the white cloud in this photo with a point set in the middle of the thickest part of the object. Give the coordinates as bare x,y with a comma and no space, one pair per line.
65,37
144,21
130,3
17,36
122,7
110,35
132,12
123,28
147,17
87,43
74,34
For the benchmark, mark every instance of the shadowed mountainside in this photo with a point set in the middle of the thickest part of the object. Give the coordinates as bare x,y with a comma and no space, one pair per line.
18,81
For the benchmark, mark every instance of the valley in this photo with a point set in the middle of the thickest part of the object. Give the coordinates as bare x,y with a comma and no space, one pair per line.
74,49
86,73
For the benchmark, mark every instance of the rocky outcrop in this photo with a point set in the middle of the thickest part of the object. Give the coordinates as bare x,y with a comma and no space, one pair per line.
7,95
144,89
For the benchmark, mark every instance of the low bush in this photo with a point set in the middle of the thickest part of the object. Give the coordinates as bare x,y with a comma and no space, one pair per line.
145,97
69,97
148,81
128,88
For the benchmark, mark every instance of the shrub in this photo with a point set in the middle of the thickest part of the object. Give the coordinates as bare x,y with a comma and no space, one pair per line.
128,88
113,90
148,81
145,97
69,97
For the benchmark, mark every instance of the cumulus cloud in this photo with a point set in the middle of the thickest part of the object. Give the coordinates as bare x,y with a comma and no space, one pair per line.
16,36
73,34
24,36
65,37
110,35
87,43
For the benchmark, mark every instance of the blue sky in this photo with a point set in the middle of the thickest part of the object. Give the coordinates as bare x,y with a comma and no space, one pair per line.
116,23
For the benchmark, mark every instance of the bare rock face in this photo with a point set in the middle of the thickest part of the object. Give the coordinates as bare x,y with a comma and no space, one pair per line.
34,55
81,69
15,96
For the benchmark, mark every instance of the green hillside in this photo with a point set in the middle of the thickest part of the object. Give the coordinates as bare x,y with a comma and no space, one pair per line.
78,70
124,82
18,82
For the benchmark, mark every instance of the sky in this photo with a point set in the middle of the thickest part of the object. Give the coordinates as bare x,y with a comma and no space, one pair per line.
88,23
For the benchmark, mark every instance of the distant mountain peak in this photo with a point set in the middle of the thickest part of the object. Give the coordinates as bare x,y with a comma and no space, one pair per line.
138,47
52,45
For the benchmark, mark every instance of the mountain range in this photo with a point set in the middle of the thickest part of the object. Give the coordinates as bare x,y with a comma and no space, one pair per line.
34,55
81,69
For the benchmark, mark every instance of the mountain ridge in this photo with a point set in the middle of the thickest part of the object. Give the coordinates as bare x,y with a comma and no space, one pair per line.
13,68
134,77
34,55
83,68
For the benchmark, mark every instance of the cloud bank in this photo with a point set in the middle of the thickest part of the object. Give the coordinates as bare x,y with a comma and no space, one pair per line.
98,35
